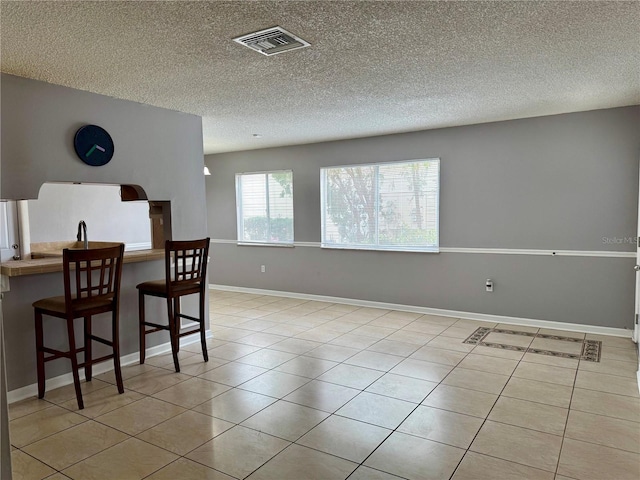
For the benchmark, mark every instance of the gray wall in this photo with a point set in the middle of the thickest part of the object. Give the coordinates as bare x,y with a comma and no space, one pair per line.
561,182
158,149
5,444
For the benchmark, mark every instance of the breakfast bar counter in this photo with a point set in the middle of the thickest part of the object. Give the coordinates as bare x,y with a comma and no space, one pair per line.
51,264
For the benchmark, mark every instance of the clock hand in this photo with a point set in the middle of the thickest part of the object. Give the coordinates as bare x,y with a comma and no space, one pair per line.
92,149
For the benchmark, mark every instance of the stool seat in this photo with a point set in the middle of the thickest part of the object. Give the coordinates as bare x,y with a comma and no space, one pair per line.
95,289
92,306
185,274
159,288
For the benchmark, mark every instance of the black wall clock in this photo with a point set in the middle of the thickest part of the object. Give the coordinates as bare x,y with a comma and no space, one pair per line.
93,145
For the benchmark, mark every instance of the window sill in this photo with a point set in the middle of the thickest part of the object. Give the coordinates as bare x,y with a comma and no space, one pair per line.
374,249
262,244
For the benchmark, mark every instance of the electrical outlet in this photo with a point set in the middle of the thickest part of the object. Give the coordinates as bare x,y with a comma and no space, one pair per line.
489,285
263,268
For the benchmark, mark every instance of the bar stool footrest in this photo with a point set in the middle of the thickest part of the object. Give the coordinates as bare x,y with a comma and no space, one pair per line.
156,325
103,341
95,360
189,317
190,332
58,353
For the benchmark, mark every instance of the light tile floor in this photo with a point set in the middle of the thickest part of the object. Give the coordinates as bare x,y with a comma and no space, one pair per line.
298,390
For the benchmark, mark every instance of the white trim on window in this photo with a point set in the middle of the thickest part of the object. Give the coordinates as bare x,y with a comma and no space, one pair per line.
263,216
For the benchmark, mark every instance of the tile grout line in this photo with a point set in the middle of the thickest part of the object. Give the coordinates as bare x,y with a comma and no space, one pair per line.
566,423
278,399
439,383
416,407
361,390
95,420
491,410
312,379
484,421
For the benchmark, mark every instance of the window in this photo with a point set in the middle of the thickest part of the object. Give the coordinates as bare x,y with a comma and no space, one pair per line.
265,207
386,206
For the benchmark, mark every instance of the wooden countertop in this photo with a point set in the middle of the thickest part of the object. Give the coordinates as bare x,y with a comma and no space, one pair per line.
18,268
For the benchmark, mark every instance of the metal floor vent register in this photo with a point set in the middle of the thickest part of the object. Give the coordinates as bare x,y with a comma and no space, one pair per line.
272,41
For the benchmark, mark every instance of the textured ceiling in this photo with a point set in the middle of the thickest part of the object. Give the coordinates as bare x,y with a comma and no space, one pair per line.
374,67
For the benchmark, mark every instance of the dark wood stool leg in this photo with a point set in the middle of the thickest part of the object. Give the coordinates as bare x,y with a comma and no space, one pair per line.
203,339
87,349
176,314
141,320
115,341
39,353
73,356
172,334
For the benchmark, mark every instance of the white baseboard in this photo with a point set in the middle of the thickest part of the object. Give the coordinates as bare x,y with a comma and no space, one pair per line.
485,317
67,379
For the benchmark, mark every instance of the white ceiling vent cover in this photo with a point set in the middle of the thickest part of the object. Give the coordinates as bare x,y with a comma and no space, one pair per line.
272,41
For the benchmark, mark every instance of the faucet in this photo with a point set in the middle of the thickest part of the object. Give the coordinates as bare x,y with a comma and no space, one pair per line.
83,227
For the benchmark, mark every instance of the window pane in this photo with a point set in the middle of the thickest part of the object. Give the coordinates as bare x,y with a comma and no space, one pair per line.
253,209
349,210
389,206
281,207
265,207
408,204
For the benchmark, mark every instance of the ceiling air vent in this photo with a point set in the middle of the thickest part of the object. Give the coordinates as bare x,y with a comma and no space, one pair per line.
271,41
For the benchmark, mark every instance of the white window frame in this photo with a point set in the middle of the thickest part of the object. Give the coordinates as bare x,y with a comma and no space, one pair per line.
239,217
376,246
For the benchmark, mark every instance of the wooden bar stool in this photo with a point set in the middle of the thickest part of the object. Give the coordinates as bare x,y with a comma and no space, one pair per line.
96,290
185,274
